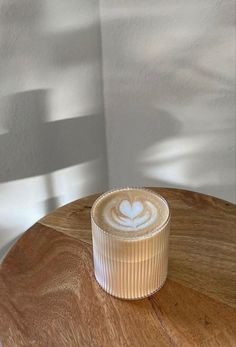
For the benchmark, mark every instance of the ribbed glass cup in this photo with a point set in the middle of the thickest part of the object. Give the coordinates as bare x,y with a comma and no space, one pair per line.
130,267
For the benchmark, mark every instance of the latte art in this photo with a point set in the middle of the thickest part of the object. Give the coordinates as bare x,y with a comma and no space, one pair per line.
130,228
130,212
130,215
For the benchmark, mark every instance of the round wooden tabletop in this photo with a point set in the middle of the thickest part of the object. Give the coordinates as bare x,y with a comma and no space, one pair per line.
49,296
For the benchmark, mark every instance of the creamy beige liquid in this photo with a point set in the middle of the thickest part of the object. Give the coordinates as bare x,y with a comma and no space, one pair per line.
130,212
130,242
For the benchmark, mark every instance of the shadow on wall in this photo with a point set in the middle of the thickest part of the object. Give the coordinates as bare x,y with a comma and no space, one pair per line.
169,93
51,107
35,147
28,46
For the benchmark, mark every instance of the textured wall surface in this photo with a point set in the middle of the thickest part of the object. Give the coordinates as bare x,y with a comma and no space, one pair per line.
51,106
169,79
169,74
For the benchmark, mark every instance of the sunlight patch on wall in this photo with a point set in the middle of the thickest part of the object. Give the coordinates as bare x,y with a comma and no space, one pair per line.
70,15
77,93
175,161
76,181
25,201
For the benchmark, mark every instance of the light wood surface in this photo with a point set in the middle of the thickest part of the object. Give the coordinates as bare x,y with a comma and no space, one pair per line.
49,297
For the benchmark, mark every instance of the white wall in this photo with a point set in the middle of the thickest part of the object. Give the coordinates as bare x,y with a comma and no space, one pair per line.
169,74
52,137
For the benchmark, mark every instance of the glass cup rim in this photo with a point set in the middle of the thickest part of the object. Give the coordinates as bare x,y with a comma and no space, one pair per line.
151,233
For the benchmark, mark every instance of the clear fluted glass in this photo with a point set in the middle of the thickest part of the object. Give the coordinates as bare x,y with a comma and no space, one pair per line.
134,267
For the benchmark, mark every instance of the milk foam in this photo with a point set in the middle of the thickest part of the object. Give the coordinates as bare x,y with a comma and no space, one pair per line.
126,215
130,212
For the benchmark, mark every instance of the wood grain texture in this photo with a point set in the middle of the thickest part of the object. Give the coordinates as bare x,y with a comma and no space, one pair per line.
49,297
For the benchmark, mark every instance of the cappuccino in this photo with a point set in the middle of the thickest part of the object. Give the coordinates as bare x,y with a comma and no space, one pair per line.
130,229
130,213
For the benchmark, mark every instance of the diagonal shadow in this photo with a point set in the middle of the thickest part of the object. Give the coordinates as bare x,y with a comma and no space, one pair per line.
32,147
44,57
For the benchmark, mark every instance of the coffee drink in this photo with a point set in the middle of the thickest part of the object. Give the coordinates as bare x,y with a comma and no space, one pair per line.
130,228
130,213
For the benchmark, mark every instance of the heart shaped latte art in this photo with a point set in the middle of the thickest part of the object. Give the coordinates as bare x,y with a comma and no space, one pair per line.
131,210
127,215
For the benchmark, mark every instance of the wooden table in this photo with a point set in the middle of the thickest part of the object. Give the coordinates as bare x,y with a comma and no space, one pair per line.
49,297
